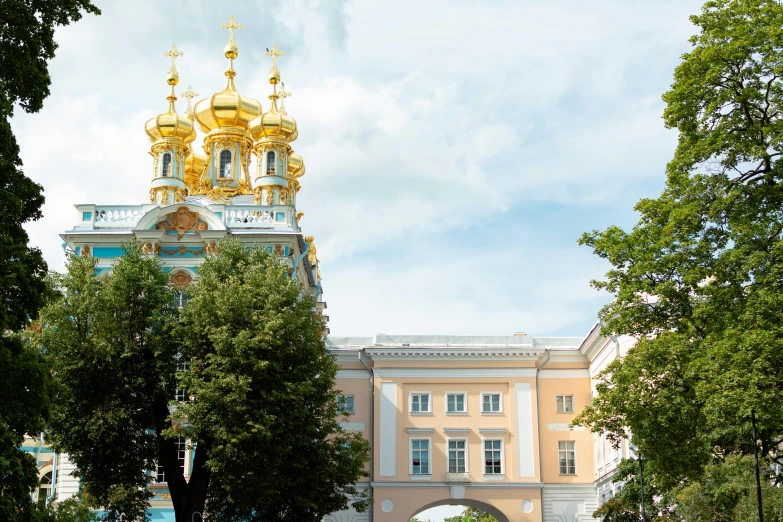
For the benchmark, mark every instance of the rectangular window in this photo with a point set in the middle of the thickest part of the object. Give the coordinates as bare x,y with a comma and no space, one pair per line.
181,445
493,457
490,403
420,402
457,462
567,457
182,366
345,404
420,457
565,404
456,403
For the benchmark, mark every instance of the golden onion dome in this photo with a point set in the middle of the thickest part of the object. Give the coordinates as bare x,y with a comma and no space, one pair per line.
273,124
169,124
228,108
296,168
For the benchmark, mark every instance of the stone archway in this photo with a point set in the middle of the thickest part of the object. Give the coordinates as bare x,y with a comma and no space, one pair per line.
477,504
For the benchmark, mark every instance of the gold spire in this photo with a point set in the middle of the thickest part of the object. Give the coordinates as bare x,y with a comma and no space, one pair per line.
189,94
283,94
274,74
231,51
173,77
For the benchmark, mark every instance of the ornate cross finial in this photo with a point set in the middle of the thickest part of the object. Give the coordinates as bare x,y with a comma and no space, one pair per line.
283,94
189,94
173,53
274,53
231,25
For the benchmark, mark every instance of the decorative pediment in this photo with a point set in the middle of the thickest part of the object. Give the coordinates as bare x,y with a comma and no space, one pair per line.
182,221
180,279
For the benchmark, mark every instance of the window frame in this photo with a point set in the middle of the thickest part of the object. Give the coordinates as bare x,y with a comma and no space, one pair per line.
465,450
411,473
464,403
566,450
163,165
493,476
420,412
273,170
557,403
500,403
220,161
343,398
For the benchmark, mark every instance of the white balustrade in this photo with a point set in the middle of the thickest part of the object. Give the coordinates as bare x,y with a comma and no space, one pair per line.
120,216
250,217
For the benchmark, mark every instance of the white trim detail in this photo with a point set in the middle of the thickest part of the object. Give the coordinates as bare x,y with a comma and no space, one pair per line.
492,431
352,426
456,430
428,411
526,458
419,430
565,374
481,403
352,374
388,430
464,403
420,476
445,373
510,485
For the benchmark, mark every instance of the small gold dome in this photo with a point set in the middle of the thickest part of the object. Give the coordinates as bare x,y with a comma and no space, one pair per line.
226,109
194,167
296,168
168,125
273,124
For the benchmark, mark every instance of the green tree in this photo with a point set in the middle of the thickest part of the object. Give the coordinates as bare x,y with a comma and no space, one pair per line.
699,279
471,514
26,46
262,418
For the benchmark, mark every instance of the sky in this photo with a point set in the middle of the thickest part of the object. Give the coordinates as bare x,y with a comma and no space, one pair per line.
455,150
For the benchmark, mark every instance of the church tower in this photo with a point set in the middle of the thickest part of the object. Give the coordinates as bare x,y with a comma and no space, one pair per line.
168,133
224,117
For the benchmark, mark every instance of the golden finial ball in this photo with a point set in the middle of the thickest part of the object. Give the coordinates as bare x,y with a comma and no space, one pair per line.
172,78
274,76
231,50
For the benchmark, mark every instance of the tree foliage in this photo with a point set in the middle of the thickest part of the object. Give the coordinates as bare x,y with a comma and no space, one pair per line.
26,46
262,414
699,279
471,514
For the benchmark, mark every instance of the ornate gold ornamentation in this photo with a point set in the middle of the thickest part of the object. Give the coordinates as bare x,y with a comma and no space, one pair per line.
244,185
157,249
279,250
312,253
212,248
299,215
257,195
215,194
180,279
183,221
164,198
179,195
270,195
284,196
182,251
86,251
148,248
224,182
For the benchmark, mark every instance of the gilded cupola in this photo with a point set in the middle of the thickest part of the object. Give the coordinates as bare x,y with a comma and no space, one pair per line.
272,133
224,117
195,163
168,133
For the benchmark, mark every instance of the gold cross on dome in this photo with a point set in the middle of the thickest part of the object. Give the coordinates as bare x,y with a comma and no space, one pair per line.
189,94
173,53
231,25
274,53
283,94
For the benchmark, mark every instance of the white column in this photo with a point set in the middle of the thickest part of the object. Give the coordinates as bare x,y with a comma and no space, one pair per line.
388,434
525,454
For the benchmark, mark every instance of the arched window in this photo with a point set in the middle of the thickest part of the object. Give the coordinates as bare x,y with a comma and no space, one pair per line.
270,162
225,164
45,488
166,170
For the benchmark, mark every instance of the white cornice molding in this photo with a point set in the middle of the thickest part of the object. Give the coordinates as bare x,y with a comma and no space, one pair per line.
452,353
565,374
438,373
430,484
419,430
492,431
456,430
352,374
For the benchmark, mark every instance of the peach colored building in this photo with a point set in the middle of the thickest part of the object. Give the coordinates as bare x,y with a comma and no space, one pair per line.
478,421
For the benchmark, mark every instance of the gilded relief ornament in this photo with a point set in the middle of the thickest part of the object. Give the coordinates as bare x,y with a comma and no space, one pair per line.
179,195
283,196
164,198
86,251
279,250
270,196
180,279
212,248
183,221
147,248
257,193
299,215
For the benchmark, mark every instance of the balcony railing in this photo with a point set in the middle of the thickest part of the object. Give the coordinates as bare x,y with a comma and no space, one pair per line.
457,477
117,216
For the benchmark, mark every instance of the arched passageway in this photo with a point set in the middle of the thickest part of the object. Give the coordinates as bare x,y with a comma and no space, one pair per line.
467,502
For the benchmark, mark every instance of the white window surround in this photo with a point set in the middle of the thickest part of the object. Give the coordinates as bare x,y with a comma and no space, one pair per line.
500,403
420,476
428,411
493,476
564,403
346,404
564,447
455,394
465,450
